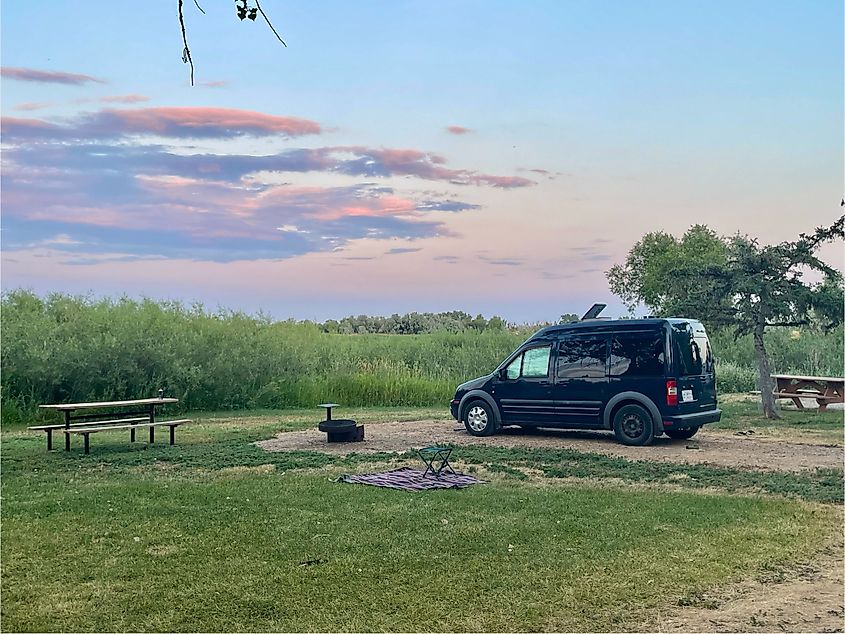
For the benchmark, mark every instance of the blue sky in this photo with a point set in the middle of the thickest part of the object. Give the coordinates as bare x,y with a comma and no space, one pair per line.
494,157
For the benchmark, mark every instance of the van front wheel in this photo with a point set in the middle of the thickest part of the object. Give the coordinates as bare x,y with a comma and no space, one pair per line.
632,425
478,419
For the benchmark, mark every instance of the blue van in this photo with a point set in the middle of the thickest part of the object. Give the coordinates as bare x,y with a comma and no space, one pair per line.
638,377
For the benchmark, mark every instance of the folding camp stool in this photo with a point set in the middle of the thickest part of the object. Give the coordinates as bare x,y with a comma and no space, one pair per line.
436,460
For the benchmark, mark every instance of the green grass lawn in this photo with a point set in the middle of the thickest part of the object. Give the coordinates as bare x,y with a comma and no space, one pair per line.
211,534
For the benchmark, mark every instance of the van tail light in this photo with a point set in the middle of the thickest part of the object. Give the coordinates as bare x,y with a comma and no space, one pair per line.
671,392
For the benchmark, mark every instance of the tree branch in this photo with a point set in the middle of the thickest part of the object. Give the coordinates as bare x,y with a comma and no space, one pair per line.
803,322
199,7
267,20
186,52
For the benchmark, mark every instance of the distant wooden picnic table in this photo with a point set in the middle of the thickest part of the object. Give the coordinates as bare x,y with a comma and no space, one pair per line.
132,414
824,389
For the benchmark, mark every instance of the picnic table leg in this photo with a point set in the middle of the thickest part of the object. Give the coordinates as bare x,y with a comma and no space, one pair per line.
172,434
67,426
823,402
85,441
49,439
795,399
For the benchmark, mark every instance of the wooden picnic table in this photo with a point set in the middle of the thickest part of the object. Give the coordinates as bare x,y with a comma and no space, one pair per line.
133,413
824,389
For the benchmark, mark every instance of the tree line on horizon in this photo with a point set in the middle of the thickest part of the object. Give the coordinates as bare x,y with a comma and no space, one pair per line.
415,323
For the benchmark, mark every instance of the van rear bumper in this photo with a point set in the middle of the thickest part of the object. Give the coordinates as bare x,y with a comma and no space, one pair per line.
692,420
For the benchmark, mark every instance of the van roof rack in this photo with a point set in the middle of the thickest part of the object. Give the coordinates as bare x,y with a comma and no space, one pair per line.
594,311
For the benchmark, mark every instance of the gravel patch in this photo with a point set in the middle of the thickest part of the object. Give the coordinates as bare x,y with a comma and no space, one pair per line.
721,448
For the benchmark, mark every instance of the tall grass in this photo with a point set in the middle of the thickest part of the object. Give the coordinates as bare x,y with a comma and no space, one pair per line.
62,348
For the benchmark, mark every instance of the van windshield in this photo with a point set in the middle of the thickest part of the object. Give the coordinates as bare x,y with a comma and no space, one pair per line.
692,348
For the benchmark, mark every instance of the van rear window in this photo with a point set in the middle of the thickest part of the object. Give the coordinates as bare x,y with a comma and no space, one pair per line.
692,349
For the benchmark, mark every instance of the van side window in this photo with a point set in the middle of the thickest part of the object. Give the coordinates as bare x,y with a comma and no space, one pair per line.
514,367
582,358
531,364
536,362
637,354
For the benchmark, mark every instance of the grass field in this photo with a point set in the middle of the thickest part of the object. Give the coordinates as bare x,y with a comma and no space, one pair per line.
212,534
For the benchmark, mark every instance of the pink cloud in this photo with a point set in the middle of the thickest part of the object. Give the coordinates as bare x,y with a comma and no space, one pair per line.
33,105
132,98
219,83
384,206
457,129
204,121
48,76
178,122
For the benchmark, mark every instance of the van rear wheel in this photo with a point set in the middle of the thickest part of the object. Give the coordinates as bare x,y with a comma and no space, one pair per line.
632,425
478,419
682,434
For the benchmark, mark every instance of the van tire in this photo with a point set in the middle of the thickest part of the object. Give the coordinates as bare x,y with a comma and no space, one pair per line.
682,434
479,419
632,425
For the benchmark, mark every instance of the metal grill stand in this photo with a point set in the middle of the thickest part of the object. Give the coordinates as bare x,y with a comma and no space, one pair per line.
341,429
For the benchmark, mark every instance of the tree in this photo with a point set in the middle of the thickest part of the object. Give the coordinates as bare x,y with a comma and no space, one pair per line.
244,12
734,282
496,323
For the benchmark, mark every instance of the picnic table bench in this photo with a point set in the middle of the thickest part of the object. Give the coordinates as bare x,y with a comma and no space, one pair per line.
141,413
824,389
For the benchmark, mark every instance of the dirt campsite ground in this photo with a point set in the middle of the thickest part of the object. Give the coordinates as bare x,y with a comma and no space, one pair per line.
807,597
718,447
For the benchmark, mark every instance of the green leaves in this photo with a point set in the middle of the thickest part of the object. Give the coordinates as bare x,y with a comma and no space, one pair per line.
731,281
671,275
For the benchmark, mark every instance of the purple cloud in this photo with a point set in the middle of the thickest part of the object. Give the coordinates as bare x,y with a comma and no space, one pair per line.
352,161
48,76
124,211
89,176
400,250
504,261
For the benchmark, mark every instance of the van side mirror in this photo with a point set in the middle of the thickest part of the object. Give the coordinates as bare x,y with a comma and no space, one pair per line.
503,374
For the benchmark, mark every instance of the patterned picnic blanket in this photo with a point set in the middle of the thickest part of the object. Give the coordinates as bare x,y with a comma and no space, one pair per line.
409,479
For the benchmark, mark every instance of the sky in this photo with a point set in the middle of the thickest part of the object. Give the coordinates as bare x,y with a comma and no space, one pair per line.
397,156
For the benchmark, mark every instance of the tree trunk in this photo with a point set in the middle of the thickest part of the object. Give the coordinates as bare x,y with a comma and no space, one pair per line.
764,374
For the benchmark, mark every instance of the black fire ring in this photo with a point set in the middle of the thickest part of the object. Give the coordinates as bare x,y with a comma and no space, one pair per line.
337,425
342,430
